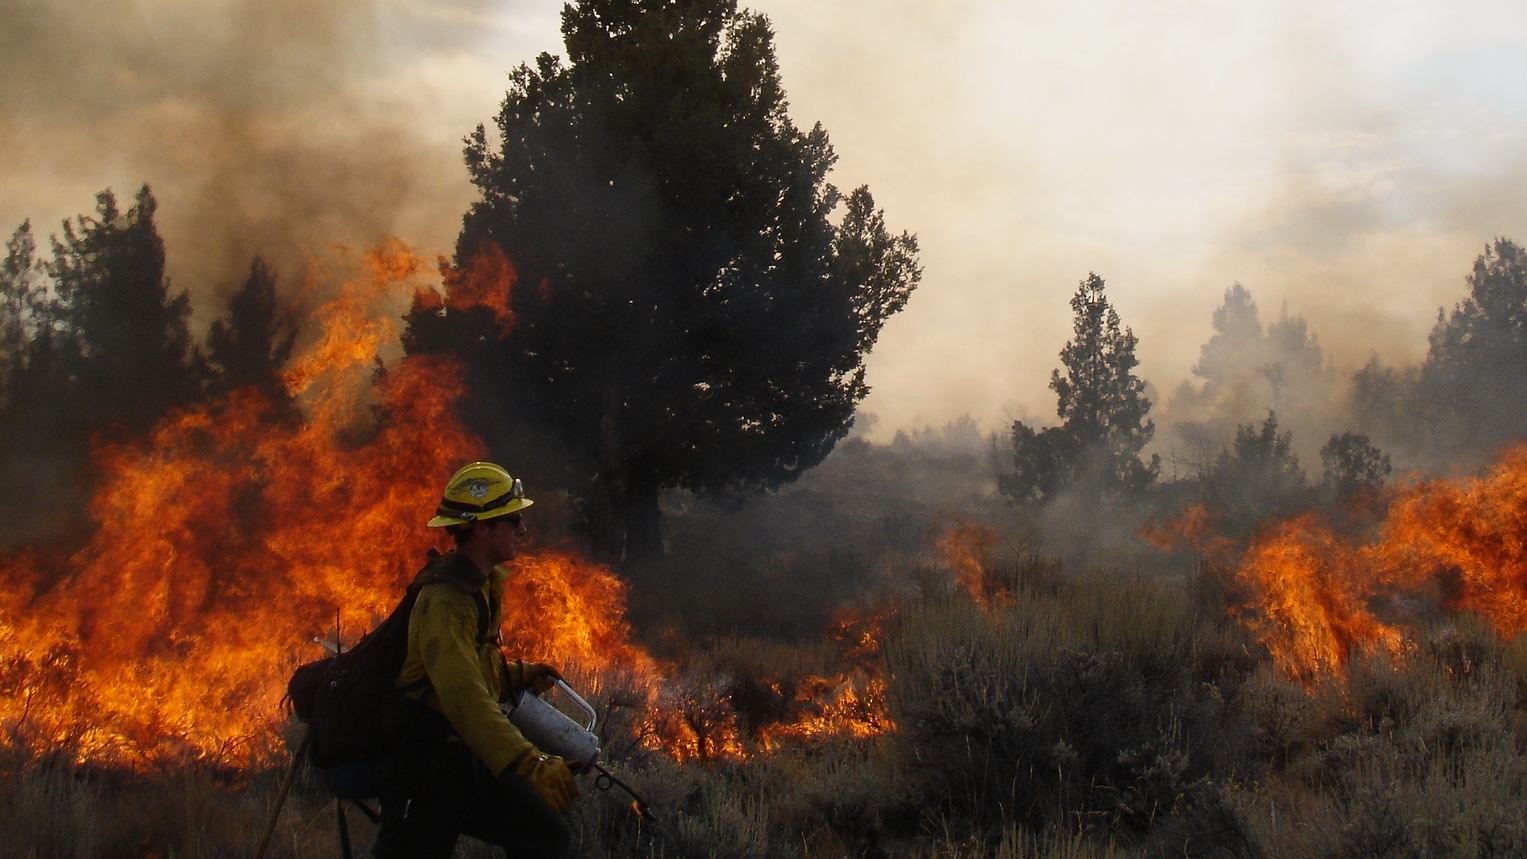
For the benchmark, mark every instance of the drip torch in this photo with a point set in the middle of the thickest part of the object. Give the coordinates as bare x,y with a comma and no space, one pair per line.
556,733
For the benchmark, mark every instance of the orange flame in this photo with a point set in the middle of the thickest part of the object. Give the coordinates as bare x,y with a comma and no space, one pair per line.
1311,598
233,535
966,547
850,704
1191,530
485,281
693,720
1445,545
229,537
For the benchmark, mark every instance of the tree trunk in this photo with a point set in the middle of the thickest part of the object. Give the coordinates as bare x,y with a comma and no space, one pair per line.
601,521
604,505
644,528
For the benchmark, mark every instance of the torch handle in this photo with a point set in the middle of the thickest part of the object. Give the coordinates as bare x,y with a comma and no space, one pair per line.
286,787
582,704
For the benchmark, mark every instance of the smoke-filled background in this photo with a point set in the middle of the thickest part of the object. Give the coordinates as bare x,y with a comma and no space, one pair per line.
1256,594
1346,162
264,128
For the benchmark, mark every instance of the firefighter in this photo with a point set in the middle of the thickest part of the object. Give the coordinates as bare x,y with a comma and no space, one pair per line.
468,769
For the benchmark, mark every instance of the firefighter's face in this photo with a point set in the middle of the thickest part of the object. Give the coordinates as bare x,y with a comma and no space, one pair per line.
502,536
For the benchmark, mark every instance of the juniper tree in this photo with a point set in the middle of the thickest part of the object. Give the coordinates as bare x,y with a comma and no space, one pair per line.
249,347
94,344
694,299
1353,465
1102,407
1256,478
134,359
23,305
1472,390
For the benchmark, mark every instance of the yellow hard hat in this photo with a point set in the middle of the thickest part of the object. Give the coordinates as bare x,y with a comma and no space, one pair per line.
476,492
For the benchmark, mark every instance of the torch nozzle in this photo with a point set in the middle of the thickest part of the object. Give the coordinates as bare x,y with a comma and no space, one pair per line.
607,780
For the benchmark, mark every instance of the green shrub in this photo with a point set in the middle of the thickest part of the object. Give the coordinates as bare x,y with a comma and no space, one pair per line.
1073,706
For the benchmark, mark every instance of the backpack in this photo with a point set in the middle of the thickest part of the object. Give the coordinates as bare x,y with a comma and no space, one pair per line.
356,714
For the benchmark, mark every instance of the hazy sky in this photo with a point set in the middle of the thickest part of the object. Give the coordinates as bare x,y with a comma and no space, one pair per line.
1348,158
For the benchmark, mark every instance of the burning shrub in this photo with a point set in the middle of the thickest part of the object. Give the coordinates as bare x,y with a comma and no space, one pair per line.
1318,596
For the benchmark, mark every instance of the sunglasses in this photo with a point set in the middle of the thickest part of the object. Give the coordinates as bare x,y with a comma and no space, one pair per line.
513,520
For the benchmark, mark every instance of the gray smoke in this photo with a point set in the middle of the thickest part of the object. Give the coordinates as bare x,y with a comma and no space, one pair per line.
271,127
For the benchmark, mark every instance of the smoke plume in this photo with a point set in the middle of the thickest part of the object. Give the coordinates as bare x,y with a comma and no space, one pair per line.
270,127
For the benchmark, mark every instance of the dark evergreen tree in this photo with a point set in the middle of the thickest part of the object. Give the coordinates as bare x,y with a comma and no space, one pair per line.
1382,397
92,342
1387,407
1353,466
133,341
1102,407
249,347
22,305
36,433
694,299
1258,478
1473,386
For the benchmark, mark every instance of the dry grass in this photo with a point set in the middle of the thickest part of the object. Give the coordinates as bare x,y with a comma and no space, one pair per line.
1087,718
56,810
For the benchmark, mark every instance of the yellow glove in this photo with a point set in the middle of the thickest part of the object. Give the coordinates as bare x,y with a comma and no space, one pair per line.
549,775
534,676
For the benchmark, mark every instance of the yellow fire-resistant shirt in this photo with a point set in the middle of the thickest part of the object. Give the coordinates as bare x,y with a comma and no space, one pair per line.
466,677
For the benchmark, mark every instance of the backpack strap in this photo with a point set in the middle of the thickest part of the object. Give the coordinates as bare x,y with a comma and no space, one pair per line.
462,574
451,567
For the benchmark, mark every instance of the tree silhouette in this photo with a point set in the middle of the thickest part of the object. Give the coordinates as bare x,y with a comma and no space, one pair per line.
1473,385
694,300
92,342
1257,478
132,339
250,346
1243,371
1235,343
39,444
23,305
1102,407
1353,466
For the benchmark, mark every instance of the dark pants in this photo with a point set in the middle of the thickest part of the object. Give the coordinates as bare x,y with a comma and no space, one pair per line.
441,791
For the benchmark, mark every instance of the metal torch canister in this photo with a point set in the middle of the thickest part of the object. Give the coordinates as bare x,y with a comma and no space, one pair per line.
556,733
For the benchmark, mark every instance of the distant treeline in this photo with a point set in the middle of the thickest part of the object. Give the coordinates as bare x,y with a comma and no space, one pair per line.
1259,395
95,343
